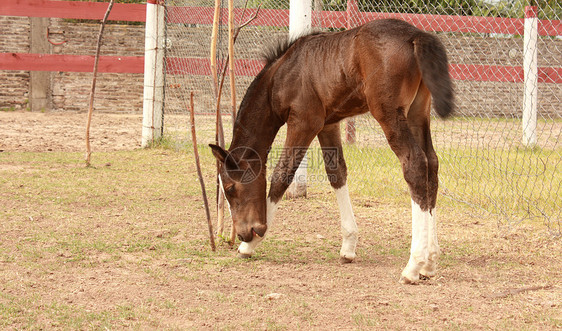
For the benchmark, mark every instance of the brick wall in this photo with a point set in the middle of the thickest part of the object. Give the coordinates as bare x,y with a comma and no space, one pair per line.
70,90
114,92
501,99
123,92
14,85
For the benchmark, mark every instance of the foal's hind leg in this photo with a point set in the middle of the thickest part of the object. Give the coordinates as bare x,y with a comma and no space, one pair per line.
334,162
418,121
414,161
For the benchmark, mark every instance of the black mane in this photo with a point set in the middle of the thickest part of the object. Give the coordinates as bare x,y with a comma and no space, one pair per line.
270,54
277,49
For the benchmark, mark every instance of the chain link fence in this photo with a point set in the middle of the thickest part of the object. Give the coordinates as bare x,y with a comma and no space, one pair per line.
483,159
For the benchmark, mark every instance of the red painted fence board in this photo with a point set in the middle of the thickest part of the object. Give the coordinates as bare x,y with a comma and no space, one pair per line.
550,28
269,17
200,66
338,19
447,23
70,63
72,9
266,17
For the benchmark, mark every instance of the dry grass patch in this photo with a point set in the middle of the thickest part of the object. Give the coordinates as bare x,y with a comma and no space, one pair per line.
123,244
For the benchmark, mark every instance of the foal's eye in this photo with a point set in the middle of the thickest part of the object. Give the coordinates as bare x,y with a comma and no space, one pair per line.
229,190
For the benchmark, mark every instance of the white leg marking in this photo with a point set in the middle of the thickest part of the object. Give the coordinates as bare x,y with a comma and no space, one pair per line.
348,225
419,250
430,268
222,192
246,249
271,209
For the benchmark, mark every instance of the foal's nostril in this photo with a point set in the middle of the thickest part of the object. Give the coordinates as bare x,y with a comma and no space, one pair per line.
259,230
240,237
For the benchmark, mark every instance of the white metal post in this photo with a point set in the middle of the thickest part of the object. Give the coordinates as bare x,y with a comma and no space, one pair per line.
300,17
153,99
530,71
300,23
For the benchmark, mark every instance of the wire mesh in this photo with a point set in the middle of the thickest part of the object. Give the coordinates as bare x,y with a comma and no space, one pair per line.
483,160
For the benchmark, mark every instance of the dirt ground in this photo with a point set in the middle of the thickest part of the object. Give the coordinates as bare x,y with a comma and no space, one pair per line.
65,132
114,247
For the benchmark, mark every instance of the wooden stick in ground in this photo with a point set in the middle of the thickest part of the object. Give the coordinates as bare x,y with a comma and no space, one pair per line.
232,36
235,36
93,90
219,131
219,135
231,59
198,165
220,209
214,37
219,94
236,32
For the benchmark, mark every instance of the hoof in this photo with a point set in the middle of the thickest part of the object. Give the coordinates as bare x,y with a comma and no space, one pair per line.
426,274
345,260
407,281
244,256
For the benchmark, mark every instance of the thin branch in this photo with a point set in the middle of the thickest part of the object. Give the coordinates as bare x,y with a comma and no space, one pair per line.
515,291
219,132
237,31
249,20
198,165
93,90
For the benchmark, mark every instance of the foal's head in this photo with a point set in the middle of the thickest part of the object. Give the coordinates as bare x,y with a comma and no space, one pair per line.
244,182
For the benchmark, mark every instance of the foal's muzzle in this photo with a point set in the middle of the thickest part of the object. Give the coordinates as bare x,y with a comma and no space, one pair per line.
257,230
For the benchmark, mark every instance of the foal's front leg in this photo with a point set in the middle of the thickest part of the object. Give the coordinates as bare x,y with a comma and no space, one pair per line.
296,145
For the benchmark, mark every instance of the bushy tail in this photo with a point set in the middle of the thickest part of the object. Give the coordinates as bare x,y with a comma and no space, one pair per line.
432,60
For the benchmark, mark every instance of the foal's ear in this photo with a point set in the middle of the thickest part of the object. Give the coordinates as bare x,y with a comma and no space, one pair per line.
225,157
219,152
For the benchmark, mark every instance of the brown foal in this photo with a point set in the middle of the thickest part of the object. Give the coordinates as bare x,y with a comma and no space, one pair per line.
386,67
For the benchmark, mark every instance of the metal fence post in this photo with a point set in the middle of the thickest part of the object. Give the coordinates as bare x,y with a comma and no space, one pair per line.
300,17
153,96
530,70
